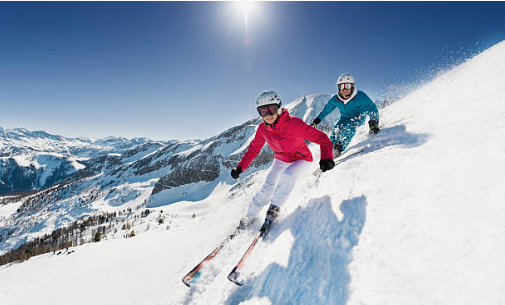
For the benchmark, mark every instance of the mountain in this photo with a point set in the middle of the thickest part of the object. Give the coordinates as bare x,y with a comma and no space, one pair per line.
36,160
82,177
417,218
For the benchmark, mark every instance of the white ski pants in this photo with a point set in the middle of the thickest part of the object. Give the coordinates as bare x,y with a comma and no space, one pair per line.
278,185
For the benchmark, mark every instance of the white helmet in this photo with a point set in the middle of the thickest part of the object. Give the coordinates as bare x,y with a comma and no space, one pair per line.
345,78
268,97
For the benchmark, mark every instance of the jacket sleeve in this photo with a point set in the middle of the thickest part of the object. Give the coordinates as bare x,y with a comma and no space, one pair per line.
254,149
372,110
312,134
328,108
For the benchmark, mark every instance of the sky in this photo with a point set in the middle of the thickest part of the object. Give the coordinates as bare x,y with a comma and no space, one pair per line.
190,70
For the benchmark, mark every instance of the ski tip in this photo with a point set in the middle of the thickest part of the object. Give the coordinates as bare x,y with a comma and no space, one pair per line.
236,278
186,283
237,282
188,280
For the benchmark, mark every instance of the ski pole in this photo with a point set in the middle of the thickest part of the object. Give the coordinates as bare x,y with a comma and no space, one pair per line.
241,185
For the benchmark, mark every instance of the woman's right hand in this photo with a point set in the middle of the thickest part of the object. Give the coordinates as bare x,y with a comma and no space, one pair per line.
235,172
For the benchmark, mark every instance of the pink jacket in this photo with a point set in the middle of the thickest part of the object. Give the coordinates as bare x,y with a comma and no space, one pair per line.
286,139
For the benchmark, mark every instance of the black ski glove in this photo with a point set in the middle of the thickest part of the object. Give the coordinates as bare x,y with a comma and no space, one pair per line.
374,127
235,172
326,164
315,122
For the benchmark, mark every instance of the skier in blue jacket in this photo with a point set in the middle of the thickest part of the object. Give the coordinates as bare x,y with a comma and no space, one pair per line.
354,105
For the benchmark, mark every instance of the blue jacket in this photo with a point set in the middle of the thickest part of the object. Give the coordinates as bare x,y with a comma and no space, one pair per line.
359,105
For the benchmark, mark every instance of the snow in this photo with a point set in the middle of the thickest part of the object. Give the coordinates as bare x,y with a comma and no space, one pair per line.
7,210
417,218
24,160
77,165
190,151
245,146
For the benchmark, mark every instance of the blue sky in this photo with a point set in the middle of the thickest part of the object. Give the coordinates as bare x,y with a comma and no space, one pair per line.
183,70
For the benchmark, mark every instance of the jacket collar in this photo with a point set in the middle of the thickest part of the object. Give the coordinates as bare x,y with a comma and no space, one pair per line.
353,94
280,120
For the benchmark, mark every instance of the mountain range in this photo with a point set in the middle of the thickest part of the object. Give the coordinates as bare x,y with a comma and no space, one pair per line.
117,173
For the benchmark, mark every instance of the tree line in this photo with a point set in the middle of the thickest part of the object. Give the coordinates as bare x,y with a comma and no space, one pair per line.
62,238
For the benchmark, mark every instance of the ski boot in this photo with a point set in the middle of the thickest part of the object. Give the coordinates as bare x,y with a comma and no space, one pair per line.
272,214
337,150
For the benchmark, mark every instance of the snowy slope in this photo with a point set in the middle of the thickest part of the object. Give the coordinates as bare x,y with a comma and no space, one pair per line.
416,219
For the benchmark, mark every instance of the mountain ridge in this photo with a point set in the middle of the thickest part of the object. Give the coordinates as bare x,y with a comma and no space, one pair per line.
126,173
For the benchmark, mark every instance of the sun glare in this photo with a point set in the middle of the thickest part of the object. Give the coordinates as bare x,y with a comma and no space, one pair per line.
247,9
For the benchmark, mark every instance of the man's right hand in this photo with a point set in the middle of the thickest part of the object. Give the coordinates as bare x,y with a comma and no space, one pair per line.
315,122
235,172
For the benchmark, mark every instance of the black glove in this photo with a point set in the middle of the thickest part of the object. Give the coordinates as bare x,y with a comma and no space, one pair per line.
326,164
374,126
315,122
236,171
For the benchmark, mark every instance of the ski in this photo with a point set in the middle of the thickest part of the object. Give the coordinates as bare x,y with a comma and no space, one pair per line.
194,274
235,275
318,171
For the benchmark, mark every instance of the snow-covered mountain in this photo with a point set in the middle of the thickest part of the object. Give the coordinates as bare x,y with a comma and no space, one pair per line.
35,160
116,174
417,218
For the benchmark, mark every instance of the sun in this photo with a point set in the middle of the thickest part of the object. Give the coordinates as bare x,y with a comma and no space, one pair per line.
248,9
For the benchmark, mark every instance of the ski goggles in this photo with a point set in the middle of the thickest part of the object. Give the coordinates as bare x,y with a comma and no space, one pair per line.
267,110
345,86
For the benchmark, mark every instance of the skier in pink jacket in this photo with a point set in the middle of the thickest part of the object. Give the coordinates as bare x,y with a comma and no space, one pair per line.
285,135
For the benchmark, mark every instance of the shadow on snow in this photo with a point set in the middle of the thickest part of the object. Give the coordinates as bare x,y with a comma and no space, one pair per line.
393,136
317,271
